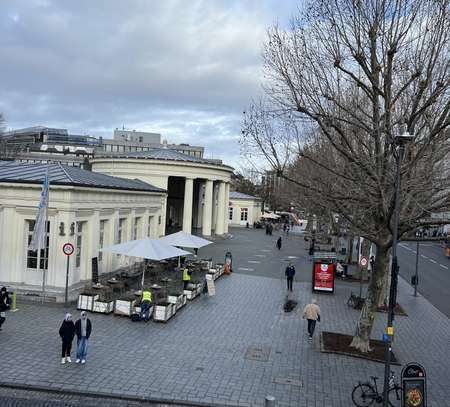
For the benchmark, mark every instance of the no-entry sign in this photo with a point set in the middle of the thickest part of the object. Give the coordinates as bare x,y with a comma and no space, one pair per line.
68,249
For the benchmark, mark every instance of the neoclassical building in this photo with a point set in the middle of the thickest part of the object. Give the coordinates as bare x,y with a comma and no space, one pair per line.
87,209
243,209
197,189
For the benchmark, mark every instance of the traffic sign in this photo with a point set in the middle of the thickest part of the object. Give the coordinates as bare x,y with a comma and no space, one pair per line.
363,261
68,249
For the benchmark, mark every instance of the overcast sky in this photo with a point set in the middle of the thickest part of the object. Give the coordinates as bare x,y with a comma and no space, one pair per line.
185,69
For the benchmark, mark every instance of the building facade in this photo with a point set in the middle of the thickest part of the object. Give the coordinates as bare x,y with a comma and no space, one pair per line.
243,209
88,210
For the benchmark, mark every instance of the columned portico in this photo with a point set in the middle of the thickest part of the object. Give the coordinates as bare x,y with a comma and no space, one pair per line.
187,208
193,188
220,225
227,199
207,208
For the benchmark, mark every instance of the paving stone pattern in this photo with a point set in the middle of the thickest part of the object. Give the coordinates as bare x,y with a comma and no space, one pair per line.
199,355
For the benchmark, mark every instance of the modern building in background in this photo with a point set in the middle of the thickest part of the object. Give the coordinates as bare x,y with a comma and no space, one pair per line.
42,144
243,209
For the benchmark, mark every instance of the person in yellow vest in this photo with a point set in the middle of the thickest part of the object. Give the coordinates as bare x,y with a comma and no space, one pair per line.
146,302
186,277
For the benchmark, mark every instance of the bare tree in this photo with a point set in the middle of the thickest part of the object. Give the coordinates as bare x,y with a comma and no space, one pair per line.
344,80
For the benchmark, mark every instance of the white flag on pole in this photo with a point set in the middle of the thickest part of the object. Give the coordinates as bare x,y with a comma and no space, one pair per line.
38,238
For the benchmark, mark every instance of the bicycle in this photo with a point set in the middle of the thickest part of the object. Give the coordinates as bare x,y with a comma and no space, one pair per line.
355,301
364,394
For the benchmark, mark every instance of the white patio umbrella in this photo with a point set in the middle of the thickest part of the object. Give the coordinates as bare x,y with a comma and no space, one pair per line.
184,239
270,216
152,249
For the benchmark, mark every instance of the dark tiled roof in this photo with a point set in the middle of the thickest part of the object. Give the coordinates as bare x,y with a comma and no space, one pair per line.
164,154
240,195
59,174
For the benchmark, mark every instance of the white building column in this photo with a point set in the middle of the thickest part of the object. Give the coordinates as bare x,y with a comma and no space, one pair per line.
187,208
221,209
207,208
227,200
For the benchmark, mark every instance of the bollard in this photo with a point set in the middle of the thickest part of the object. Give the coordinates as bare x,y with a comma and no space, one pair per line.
13,301
270,401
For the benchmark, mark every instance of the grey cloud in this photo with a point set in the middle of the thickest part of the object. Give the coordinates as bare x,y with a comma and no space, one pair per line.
186,69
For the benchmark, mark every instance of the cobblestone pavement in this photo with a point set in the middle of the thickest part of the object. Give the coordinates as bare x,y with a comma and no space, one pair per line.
208,353
28,398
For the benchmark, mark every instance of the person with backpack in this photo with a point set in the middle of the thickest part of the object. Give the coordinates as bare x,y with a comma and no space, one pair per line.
67,333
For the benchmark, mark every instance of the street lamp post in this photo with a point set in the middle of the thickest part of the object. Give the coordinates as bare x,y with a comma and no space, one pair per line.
400,142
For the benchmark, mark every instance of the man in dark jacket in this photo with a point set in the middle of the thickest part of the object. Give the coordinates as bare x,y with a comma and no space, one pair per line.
4,305
290,273
83,329
67,333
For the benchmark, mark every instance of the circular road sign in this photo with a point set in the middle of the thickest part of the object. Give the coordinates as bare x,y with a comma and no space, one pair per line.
363,262
68,249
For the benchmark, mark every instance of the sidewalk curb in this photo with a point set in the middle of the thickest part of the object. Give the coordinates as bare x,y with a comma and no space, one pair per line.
98,394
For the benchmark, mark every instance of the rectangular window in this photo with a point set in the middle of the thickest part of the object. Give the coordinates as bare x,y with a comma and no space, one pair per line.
122,230
149,226
136,228
230,216
33,255
244,214
79,243
101,240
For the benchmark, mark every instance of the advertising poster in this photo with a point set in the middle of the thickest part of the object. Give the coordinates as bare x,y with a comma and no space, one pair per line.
323,277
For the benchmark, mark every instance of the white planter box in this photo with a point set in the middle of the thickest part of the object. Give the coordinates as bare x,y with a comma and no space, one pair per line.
190,294
86,302
163,312
123,307
103,307
177,300
183,300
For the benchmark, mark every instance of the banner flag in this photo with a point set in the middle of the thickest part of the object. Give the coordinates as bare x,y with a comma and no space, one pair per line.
39,232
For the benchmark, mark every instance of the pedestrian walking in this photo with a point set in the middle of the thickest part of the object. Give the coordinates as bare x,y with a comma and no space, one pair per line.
284,227
279,243
287,230
67,333
83,329
290,273
5,303
312,313
371,266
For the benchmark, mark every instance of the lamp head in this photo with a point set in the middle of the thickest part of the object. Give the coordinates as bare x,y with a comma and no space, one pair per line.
404,138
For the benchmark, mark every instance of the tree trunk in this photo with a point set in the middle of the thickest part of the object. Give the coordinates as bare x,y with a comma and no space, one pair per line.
384,294
361,340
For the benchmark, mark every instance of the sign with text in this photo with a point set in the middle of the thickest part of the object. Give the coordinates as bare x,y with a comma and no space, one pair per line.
210,285
323,276
414,386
